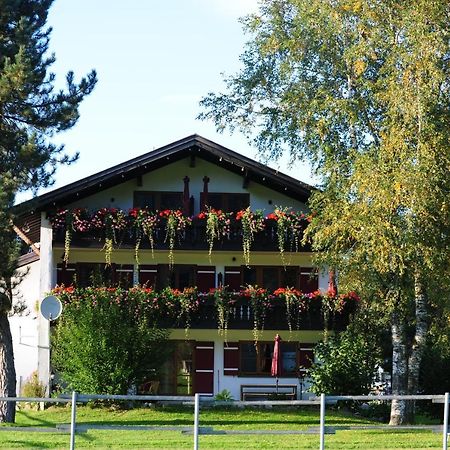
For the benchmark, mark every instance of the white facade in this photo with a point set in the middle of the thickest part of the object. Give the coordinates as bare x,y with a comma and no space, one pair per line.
31,333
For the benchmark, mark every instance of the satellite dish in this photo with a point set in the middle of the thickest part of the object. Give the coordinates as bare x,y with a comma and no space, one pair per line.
51,307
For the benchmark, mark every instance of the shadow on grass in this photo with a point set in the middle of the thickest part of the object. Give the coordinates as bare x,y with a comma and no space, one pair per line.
34,420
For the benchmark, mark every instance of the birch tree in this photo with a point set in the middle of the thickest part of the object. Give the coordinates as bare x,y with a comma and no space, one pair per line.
361,89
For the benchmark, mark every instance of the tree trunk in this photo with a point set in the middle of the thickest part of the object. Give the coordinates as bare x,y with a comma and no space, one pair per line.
418,344
7,370
399,369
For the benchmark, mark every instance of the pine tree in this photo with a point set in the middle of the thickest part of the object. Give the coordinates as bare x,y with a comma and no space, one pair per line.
361,88
31,112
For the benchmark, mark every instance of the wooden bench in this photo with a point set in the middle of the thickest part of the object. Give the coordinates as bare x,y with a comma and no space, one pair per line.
264,391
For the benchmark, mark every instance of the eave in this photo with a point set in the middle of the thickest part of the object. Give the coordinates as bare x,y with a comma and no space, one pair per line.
191,146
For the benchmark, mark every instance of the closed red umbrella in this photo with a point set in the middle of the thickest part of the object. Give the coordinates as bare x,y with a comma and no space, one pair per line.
276,359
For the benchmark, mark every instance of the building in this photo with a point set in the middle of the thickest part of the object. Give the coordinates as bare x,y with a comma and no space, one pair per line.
190,175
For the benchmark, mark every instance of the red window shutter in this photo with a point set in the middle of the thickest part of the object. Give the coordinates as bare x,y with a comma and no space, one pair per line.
306,356
65,274
233,277
204,368
206,278
230,358
309,280
148,275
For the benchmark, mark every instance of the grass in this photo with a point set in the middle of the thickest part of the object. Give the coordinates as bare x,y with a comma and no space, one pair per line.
219,419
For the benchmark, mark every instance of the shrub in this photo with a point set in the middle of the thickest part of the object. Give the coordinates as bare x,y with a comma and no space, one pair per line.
224,396
104,343
33,386
346,364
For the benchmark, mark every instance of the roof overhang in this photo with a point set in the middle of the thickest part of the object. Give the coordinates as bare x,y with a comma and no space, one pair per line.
191,146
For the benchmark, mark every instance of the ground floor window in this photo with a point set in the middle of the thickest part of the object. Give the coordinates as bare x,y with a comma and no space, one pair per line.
176,375
248,358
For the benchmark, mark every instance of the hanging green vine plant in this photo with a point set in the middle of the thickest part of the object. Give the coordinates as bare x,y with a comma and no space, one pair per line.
295,302
176,224
217,226
111,220
70,221
251,224
224,303
145,223
67,236
259,302
62,220
290,226
189,303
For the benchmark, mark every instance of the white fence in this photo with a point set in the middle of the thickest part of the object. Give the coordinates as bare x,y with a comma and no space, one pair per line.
196,401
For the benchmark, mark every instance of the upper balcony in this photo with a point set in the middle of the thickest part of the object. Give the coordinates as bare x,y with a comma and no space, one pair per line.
171,230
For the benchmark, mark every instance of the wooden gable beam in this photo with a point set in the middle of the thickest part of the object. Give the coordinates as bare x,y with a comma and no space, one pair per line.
26,239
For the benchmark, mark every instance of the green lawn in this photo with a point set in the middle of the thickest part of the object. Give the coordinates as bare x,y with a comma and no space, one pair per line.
219,419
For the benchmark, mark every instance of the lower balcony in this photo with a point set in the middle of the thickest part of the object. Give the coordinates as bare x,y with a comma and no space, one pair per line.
246,310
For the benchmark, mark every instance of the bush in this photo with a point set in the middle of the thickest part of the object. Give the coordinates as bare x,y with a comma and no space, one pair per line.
346,364
33,386
224,396
104,343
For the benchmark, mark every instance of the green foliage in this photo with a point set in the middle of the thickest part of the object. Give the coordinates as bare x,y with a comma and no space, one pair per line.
346,365
31,112
33,387
360,88
224,396
103,344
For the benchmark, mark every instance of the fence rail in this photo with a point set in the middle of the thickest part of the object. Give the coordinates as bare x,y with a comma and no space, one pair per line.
196,401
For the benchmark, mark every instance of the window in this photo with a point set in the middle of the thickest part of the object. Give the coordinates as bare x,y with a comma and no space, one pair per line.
256,358
158,200
306,357
95,274
148,275
228,202
309,280
181,276
270,277
123,275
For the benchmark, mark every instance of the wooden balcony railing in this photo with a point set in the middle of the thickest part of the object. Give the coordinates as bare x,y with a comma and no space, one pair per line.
192,238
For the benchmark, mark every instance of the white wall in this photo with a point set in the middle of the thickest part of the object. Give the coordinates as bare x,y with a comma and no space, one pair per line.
233,383
24,328
170,178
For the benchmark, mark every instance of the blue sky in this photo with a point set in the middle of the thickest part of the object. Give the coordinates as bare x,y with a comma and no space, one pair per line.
155,60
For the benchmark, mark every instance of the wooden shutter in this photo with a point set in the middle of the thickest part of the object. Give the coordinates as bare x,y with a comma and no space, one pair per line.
309,280
147,275
204,368
230,358
306,356
65,274
233,278
206,278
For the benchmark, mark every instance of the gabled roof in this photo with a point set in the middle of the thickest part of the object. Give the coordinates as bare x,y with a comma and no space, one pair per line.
193,146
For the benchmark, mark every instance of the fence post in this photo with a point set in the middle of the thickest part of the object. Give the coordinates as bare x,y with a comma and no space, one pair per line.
196,419
73,420
322,421
445,425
